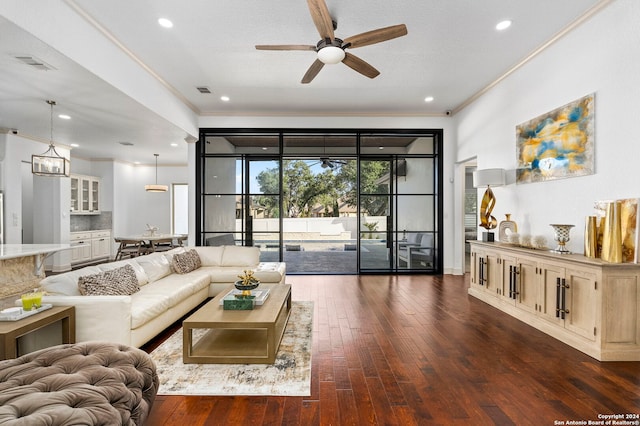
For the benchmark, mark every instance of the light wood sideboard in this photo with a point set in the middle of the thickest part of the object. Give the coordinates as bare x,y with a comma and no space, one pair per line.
586,303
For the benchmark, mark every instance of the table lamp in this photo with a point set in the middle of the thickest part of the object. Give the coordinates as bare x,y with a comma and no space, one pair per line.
488,178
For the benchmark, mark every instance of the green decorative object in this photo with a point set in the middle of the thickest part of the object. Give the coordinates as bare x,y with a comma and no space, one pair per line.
240,304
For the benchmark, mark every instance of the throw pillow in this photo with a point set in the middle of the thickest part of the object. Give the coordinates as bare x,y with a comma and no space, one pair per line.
186,262
115,282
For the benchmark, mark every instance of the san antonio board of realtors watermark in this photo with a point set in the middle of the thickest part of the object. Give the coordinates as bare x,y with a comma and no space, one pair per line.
629,419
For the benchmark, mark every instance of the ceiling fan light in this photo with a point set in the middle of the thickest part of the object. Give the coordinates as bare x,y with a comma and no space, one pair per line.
331,55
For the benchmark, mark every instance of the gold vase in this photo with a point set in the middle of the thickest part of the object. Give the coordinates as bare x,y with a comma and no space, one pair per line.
612,234
591,237
599,238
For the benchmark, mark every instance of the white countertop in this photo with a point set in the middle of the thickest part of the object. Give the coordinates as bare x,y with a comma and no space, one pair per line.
12,251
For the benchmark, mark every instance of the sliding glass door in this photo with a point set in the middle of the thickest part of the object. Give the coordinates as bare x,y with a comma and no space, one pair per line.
324,202
376,214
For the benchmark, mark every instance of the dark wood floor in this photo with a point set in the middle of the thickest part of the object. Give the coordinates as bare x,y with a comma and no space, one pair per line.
404,350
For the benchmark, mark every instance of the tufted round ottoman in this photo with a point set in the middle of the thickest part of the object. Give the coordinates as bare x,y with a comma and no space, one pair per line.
89,383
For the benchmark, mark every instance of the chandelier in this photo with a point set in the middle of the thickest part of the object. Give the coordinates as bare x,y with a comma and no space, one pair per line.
50,163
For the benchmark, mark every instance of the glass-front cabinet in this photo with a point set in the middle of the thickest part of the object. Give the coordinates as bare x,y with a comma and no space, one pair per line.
85,194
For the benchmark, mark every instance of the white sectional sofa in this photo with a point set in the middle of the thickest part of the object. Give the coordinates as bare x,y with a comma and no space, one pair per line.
164,296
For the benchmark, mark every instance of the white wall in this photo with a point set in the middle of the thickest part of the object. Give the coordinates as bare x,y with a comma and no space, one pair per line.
601,57
133,207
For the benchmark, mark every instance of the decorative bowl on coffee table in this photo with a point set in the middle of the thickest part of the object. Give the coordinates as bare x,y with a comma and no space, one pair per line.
246,283
246,288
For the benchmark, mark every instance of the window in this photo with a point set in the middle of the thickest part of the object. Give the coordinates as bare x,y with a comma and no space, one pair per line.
180,208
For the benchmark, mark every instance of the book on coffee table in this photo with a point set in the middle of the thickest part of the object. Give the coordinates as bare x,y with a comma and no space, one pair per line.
259,296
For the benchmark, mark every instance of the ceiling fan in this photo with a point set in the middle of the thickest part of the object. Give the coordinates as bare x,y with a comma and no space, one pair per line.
326,162
331,49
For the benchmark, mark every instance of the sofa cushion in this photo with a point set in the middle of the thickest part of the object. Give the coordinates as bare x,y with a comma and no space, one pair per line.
153,300
66,284
118,281
156,266
270,272
229,274
210,256
240,256
183,263
141,275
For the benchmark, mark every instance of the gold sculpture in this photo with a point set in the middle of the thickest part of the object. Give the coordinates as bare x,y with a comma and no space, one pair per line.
488,202
247,283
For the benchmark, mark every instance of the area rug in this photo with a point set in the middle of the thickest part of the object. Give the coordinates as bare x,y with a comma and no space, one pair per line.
290,375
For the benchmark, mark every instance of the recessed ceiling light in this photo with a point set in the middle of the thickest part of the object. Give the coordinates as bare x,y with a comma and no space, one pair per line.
264,148
429,99
381,147
164,22
64,116
75,145
174,144
225,98
503,25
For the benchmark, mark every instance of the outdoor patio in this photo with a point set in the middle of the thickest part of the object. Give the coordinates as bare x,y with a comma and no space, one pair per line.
306,257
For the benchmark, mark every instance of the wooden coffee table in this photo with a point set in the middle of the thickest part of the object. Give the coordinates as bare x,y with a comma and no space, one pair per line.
238,337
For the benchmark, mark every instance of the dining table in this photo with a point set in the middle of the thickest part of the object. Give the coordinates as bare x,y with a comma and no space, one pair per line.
151,241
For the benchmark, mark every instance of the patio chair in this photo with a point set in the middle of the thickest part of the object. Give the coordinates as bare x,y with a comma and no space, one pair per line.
417,254
221,240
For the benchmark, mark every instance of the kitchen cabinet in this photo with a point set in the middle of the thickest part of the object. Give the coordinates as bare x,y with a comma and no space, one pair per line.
81,247
100,245
588,304
90,246
85,194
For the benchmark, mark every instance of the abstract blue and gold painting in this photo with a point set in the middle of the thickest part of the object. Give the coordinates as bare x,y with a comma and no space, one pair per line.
558,144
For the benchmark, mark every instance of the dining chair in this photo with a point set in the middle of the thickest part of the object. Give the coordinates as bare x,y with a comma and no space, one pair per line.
129,248
181,240
161,244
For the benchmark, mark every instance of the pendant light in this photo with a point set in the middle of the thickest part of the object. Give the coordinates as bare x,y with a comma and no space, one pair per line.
50,163
155,187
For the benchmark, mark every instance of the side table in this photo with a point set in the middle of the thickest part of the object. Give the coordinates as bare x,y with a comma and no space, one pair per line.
11,331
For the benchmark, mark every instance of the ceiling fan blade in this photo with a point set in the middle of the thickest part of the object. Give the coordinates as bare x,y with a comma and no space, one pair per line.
360,66
321,18
313,70
376,36
285,47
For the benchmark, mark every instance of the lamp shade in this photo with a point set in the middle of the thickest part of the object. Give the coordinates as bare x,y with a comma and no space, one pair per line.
156,188
488,177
